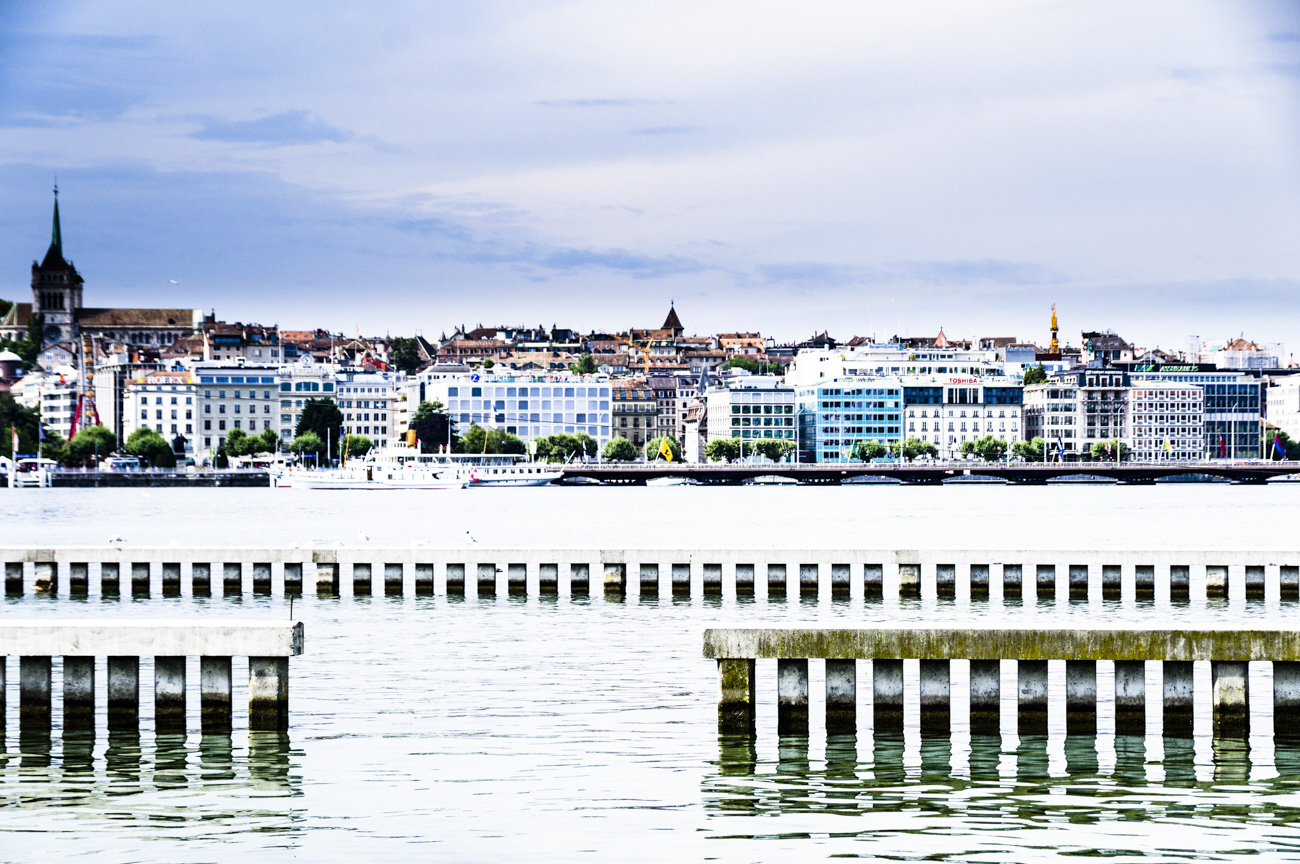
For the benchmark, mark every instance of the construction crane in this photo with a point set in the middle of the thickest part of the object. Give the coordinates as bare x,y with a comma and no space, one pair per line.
645,351
86,413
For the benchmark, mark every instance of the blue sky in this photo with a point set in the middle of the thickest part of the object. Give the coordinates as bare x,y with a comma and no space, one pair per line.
858,167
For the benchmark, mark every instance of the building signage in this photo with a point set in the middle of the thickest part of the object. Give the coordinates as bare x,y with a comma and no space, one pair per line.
963,380
1175,367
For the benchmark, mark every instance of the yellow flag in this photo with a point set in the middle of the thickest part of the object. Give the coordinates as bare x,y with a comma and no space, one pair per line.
410,437
664,450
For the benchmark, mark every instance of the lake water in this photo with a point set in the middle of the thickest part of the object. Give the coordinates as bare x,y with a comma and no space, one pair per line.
563,729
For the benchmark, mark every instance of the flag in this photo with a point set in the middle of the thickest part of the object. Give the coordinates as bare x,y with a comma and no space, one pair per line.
410,437
1223,448
1168,449
1060,449
1277,445
40,433
664,450
14,451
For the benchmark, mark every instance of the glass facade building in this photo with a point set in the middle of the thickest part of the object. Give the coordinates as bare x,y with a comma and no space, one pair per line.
837,414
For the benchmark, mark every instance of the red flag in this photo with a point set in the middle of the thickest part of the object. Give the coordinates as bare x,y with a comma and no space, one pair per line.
1223,448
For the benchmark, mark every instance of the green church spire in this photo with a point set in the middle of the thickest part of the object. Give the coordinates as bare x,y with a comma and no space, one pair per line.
56,236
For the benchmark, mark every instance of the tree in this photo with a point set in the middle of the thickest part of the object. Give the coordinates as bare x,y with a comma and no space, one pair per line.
566,448
619,450
654,448
773,449
722,450
308,444
434,427
1104,451
237,443
29,349
493,441
14,416
1035,375
988,448
55,447
356,446
404,354
91,442
868,450
322,417
489,363
913,448
586,365
753,367
270,441
1030,451
150,448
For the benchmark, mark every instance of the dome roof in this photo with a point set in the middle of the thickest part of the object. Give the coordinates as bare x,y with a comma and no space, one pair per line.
9,357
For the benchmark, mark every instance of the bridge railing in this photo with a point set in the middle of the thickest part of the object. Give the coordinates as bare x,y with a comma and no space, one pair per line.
1228,651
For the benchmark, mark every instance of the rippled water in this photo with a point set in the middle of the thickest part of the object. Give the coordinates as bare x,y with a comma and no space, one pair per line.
530,729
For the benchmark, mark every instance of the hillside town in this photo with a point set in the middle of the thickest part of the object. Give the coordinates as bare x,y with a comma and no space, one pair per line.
201,390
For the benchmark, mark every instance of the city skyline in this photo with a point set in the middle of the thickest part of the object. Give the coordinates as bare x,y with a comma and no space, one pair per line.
868,171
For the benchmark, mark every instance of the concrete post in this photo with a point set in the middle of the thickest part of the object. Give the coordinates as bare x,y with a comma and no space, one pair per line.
985,697
124,693
201,579
4,661
979,581
681,580
1078,578
1216,580
909,580
1080,697
363,580
214,695
34,685
140,586
548,580
580,580
78,693
1254,582
1178,699
945,580
232,579
1112,581
1013,580
616,579
809,577
776,582
47,578
171,579
887,696
394,579
1180,582
486,580
424,580
110,579
78,579
738,697
455,575
1144,580
1130,697
262,577
327,580
1230,685
873,581
841,697
268,694
169,695
1031,684
936,697
1286,700
293,579
649,585
792,697
744,580
1288,578
713,580
1045,582
517,579
13,578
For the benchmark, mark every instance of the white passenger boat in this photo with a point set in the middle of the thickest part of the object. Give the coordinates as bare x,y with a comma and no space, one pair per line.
382,469
486,471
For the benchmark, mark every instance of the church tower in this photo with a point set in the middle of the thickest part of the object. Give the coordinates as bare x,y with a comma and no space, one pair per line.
56,288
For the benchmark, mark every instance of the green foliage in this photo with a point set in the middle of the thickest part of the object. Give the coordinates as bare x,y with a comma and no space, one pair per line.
868,450
240,443
753,367
150,447
30,348
323,418
91,442
55,447
586,365
26,420
988,448
308,444
489,363
619,450
1292,448
270,441
653,446
1035,375
773,449
404,354
1104,451
356,446
493,441
1030,451
434,427
913,448
722,450
566,448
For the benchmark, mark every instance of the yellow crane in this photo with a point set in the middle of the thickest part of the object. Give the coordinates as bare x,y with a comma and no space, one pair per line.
645,351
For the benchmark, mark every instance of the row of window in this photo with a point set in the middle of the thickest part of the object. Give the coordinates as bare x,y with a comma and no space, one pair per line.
767,421
766,409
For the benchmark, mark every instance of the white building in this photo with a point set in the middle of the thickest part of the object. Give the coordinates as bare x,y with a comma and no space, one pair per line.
531,407
835,415
234,397
813,365
949,410
1166,422
751,407
1283,405
162,401
368,402
299,382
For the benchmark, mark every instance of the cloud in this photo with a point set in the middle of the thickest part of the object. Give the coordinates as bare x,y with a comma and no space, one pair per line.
926,272
667,130
284,129
599,103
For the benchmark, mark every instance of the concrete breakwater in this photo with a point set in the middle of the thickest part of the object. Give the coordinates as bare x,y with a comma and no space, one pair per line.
772,574
159,479
1227,650
268,645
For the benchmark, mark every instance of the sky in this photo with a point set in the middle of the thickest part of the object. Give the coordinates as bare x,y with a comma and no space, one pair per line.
866,168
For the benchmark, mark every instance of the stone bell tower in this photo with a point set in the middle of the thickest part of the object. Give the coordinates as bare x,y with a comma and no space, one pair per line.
56,288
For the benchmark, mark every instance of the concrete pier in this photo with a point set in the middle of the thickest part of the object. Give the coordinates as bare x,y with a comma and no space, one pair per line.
35,681
936,697
13,579
1289,582
201,579
140,579
455,580
79,579
171,579
268,694
516,579
124,692
841,580
1216,581
327,579
1045,582
681,580
1078,581
47,577
616,580
744,580
169,695
232,579
1130,697
736,707
1178,699
712,583
1180,582
1112,581
792,697
363,580
887,695
78,693
1013,581
548,578
293,579
841,697
1080,697
809,575
1144,580
1031,702
580,580
215,695
649,580
1230,689
776,581
261,577
110,579
909,580
1254,582
873,581
979,581
486,580
985,697
945,580
1286,700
